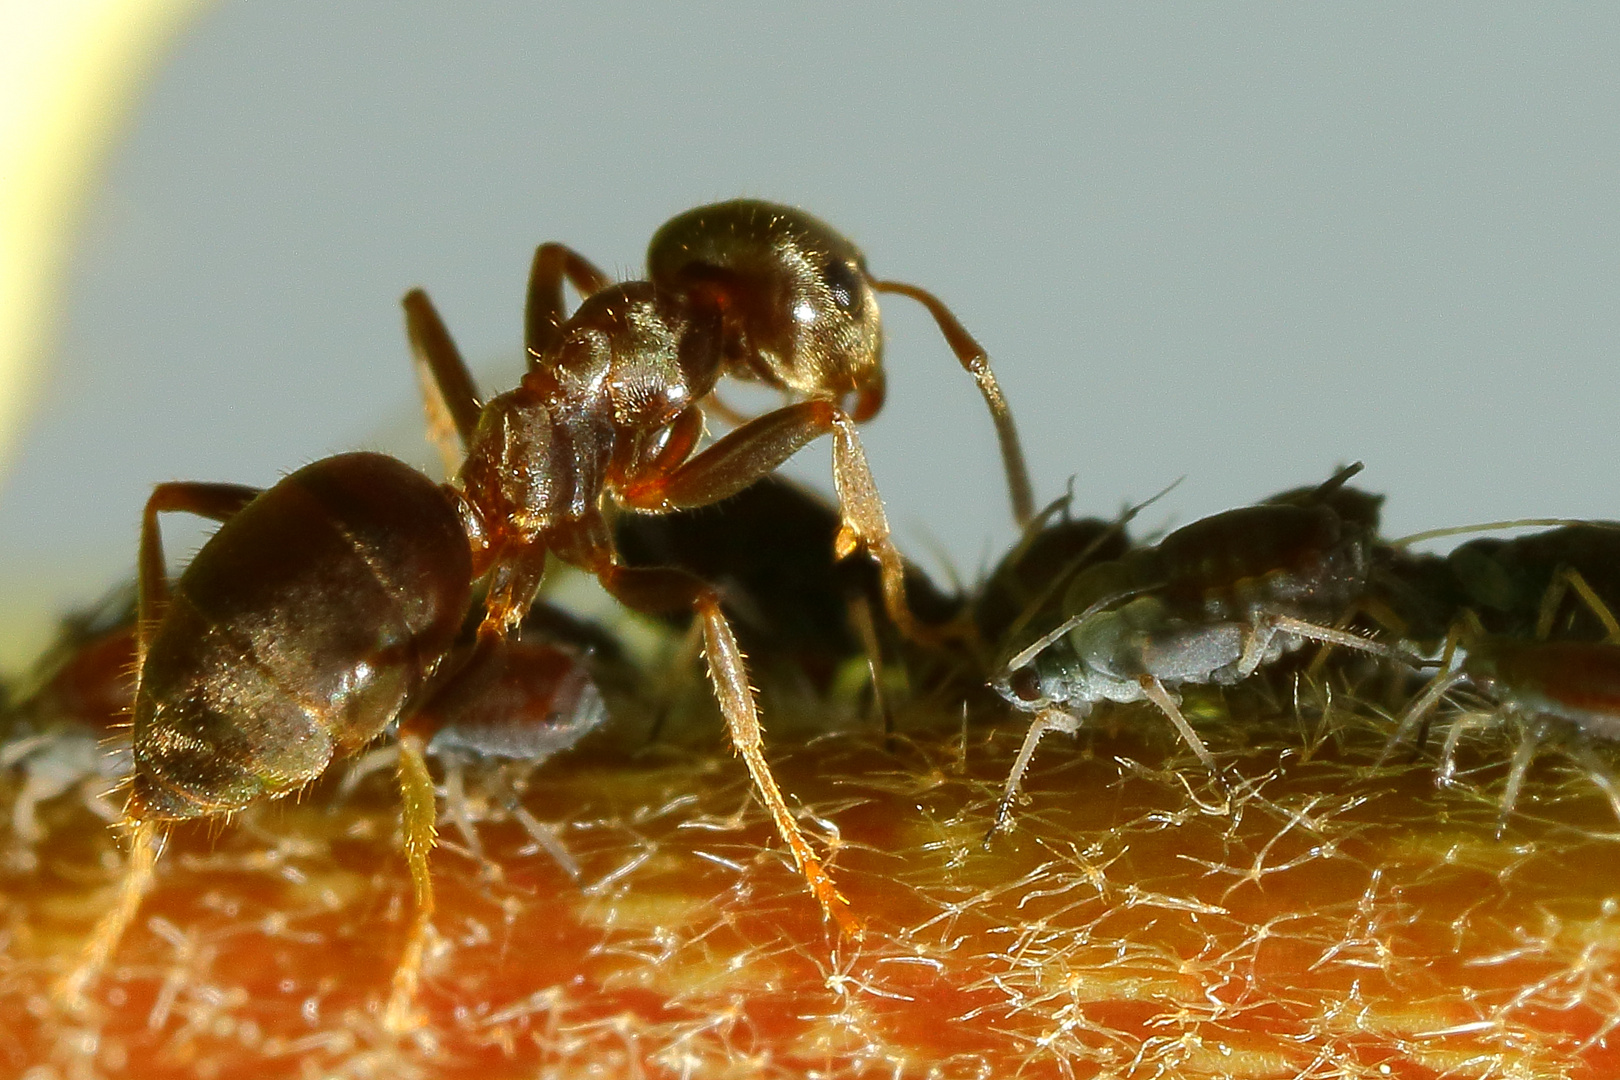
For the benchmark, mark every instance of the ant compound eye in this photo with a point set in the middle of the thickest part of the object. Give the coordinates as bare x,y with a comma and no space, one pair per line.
843,280
1026,684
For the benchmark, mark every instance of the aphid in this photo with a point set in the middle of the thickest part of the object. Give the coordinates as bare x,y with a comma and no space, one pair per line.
1210,603
1522,586
1528,651
1027,580
323,609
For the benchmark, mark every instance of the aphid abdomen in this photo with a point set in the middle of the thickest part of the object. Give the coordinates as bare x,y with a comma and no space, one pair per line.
1576,681
299,631
1228,564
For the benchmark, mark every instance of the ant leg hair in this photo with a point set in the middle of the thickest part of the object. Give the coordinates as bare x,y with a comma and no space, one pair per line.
1565,579
418,816
1157,694
448,391
1523,754
543,313
655,589
972,357
216,501
146,844
1048,719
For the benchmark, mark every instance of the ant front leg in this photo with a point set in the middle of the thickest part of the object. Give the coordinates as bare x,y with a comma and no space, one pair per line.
757,449
656,589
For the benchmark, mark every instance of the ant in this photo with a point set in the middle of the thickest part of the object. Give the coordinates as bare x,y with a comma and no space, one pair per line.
323,609
1210,603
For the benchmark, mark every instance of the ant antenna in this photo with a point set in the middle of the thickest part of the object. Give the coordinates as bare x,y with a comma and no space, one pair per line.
977,362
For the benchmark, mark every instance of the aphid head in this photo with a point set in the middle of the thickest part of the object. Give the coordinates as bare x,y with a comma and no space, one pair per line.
798,305
1023,688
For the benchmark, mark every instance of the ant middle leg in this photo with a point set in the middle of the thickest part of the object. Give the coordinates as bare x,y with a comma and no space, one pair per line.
448,391
543,314
217,502
654,589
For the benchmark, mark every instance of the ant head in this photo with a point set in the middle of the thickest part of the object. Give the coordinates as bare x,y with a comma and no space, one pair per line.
798,306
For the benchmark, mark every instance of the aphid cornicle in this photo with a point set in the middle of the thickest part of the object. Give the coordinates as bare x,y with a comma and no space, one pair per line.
1210,603
321,611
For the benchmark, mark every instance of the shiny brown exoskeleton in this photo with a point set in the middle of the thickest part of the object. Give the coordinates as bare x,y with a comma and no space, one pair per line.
319,614
611,411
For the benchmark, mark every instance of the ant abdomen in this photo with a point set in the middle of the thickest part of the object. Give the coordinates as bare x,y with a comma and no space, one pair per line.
297,634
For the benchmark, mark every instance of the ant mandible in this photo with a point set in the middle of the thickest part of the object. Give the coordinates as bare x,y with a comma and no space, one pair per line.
611,409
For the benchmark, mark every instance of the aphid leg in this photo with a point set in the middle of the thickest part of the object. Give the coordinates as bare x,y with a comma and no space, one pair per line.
216,501
1255,643
543,314
1447,773
1599,773
1048,719
1157,694
977,362
1523,754
448,391
860,618
1329,635
1418,709
1565,579
146,843
418,816
653,589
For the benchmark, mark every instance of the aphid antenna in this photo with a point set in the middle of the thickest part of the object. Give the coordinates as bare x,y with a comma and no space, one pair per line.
1061,578
1492,526
1029,652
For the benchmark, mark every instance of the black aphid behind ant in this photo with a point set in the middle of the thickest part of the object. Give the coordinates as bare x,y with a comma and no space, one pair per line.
1210,603
322,610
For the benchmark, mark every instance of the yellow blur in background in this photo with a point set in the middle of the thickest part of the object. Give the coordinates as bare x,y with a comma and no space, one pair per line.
69,72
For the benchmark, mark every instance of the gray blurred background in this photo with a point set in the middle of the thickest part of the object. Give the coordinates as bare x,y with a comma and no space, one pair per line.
1239,246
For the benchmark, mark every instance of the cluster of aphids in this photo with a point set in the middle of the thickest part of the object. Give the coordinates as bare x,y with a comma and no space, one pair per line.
357,597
